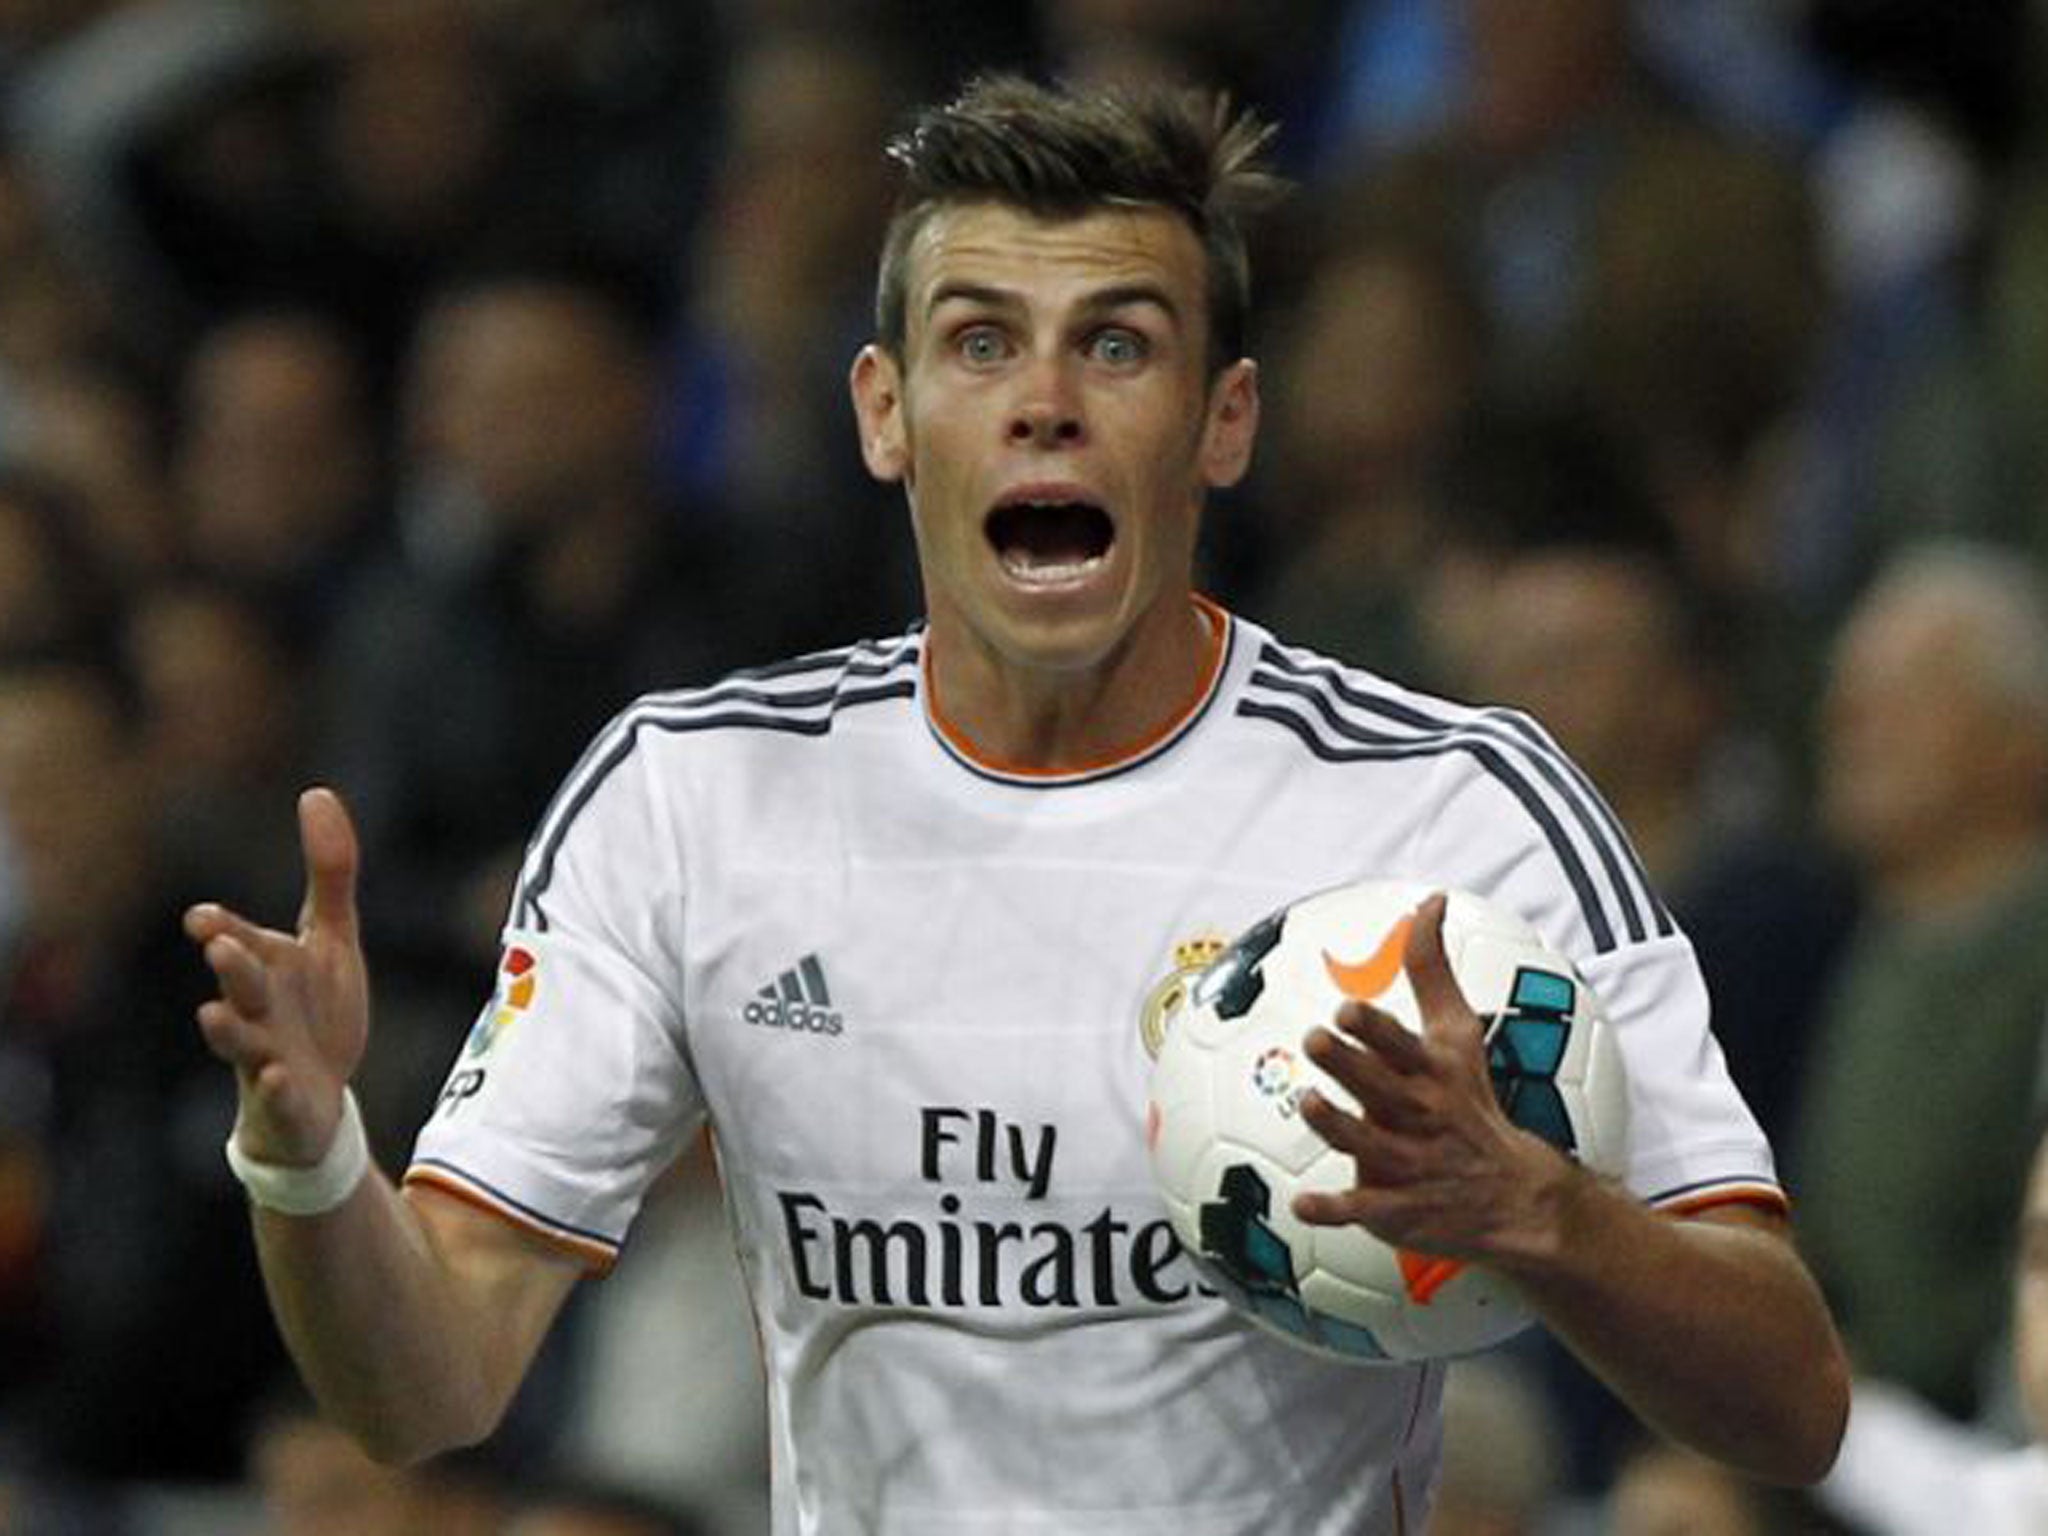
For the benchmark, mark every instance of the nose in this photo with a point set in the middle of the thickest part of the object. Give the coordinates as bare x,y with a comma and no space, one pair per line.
1048,409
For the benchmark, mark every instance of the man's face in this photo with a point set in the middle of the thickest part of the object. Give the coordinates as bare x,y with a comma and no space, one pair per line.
527,394
1910,741
1591,654
72,795
1055,428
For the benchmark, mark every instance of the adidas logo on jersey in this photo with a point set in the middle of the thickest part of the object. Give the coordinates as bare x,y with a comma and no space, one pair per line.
797,999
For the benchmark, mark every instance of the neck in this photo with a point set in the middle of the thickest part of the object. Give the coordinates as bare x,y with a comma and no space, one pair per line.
1069,720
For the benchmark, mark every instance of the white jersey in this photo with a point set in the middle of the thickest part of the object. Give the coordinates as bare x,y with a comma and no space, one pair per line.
905,986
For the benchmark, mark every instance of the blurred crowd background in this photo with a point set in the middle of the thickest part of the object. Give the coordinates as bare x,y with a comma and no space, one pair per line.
391,389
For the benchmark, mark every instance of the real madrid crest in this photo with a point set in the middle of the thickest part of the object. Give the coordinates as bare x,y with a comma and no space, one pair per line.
1190,958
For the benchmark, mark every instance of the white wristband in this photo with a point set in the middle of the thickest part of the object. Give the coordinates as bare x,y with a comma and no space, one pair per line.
309,1191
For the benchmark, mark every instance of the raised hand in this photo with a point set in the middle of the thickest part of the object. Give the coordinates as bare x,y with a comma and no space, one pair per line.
292,1017
1440,1167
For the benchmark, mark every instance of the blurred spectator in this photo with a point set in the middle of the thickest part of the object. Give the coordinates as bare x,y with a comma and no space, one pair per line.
1664,1491
1373,372
276,461
1903,122
1699,353
1700,362
92,431
542,583
1624,256
55,599
1916,1107
756,427
1759,262
128,1350
49,309
83,107
618,103
1515,475
1268,58
224,742
1899,439
1547,109
313,1480
207,156
1905,1470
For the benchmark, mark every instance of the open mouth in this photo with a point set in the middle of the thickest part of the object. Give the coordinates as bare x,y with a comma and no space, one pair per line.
1049,542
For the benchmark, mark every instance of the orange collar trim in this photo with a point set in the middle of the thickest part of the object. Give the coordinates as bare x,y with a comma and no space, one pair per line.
1222,633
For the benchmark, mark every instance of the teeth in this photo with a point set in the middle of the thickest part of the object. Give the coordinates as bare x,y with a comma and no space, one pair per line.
1050,573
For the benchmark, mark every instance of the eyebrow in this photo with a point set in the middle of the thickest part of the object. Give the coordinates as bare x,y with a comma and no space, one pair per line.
1101,301
957,292
1134,293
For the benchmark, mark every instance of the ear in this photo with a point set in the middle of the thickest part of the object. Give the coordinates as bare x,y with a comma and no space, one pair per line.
877,384
1232,424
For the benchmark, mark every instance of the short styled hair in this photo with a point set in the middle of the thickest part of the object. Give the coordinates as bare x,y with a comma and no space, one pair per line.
1057,153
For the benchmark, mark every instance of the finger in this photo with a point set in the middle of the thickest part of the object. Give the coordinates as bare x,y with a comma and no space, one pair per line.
1443,1007
1344,1131
1385,1036
1389,1097
244,979
328,840
1381,1157
239,1041
1335,1207
207,921
244,1043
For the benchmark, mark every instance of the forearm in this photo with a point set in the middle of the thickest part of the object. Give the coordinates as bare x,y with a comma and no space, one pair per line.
374,1323
411,1316
1710,1329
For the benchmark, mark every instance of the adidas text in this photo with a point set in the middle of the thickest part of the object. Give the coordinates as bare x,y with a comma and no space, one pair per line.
774,1013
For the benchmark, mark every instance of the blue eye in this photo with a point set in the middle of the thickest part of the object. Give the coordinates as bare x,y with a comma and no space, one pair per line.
1118,346
981,344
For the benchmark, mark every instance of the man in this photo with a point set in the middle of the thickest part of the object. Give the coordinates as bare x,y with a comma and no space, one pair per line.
887,915
1933,780
538,562
122,1357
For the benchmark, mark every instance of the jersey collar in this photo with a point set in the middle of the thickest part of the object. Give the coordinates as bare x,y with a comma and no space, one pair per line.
1222,638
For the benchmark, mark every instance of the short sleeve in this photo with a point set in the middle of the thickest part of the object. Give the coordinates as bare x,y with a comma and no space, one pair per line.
1561,860
573,1090
1692,1139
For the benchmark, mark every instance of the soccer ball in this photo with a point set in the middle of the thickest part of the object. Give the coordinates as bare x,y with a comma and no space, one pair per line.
1229,1147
